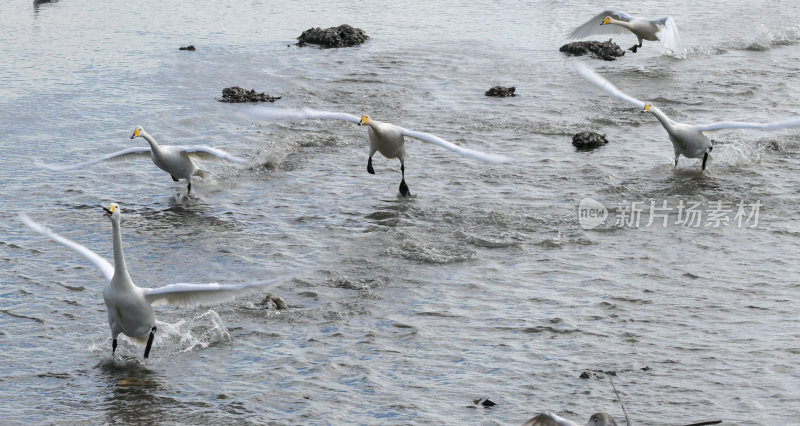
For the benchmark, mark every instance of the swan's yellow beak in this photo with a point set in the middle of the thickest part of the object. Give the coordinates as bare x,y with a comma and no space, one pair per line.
364,119
646,108
606,21
135,134
111,208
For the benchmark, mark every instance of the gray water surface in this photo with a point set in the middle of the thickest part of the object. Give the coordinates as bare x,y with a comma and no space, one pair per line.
482,284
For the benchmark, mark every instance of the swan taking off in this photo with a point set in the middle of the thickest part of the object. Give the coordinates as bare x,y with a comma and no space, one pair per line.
130,307
615,22
551,419
689,140
175,160
386,138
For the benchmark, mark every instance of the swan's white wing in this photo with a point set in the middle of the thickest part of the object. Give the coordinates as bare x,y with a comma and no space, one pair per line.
209,153
605,85
549,419
190,295
773,125
103,265
668,33
269,113
592,26
119,155
466,152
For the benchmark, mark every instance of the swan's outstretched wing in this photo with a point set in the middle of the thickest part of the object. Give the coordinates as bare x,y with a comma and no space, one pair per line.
209,153
605,85
190,295
592,26
773,125
466,152
103,265
125,154
267,113
549,419
668,33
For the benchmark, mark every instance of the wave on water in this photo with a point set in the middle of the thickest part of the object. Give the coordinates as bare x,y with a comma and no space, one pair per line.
763,40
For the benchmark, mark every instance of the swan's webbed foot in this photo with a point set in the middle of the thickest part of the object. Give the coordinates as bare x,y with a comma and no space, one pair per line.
634,48
404,188
149,343
370,170
174,179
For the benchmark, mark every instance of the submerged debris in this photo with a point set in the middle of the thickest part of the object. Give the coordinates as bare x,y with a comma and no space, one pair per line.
342,36
237,94
189,48
501,92
588,140
607,50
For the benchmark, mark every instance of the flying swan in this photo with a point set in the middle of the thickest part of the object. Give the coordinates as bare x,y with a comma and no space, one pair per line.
688,140
615,22
175,160
130,307
386,138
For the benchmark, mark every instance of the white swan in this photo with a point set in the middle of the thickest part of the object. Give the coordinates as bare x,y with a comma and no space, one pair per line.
615,22
386,138
175,160
551,419
688,140
130,307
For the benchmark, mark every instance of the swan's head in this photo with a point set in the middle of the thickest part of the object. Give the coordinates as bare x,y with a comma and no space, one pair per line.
606,21
647,108
601,419
137,132
364,120
113,211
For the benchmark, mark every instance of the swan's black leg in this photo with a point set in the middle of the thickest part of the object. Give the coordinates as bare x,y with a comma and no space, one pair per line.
403,187
174,179
149,342
113,347
370,170
189,191
705,157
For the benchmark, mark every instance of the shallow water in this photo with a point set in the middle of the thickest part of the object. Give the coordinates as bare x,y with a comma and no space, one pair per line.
483,283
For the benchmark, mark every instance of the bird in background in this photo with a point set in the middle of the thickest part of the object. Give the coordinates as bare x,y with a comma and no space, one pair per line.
178,161
616,22
689,140
129,306
386,138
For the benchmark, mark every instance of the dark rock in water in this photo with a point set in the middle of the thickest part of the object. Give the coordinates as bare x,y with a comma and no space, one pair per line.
588,140
342,36
585,375
237,94
501,92
189,48
272,302
607,50
486,402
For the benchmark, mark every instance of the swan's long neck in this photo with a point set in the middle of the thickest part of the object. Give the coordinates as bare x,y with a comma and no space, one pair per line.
665,121
120,269
624,24
150,140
